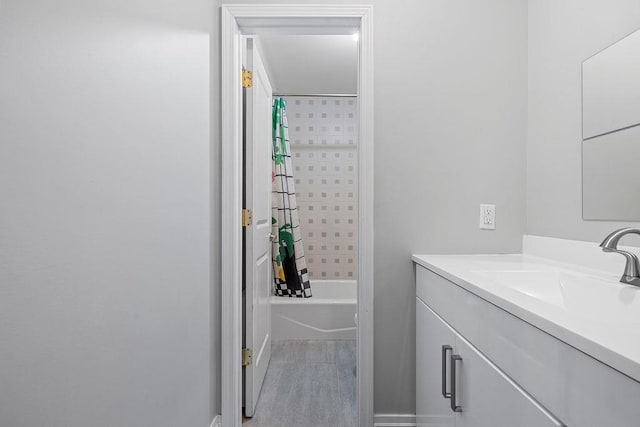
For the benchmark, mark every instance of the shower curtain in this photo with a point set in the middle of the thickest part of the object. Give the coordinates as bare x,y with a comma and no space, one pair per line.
289,266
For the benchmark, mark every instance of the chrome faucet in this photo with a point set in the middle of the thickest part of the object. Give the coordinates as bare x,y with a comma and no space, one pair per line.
631,274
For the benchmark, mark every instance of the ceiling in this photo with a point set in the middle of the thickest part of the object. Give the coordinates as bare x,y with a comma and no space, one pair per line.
311,64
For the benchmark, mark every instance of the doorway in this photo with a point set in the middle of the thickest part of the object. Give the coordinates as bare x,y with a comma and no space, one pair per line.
243,20
300,328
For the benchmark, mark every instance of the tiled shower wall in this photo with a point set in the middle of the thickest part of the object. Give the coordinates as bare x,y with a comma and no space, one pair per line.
323,132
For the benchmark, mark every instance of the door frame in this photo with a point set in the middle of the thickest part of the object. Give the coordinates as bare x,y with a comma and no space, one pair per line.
290,19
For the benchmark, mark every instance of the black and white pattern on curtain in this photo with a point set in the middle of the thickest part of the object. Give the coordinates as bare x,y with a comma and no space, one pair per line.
289,266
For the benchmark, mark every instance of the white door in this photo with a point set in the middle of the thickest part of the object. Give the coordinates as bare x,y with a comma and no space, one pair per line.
435,343
257,243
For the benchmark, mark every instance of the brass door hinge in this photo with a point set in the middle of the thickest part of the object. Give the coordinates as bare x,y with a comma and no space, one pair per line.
247,217
247,356
247,78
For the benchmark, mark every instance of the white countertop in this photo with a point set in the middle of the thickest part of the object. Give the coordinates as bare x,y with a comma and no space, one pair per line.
588,309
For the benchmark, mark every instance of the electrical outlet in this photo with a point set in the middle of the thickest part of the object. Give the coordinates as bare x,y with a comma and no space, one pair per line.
488,217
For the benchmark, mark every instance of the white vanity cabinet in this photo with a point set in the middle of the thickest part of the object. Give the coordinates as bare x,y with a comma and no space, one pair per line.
457,386
509,372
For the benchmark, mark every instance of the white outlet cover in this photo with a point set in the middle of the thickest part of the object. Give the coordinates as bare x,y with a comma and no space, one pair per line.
487,218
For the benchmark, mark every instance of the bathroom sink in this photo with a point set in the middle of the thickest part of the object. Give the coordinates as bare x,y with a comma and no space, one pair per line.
583,294
548,286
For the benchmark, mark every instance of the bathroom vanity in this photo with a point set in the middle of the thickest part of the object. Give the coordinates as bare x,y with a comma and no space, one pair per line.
519,340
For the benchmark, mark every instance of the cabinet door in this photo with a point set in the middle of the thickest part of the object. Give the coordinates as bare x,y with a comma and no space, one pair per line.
488,398
432,408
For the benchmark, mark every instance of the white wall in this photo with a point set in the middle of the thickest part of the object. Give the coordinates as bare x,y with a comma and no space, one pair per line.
450,109
562,34
450,117
105,219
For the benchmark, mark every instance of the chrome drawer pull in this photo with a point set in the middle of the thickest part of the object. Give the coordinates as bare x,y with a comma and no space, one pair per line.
454,406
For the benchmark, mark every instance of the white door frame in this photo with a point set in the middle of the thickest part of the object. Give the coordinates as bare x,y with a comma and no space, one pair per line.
309,19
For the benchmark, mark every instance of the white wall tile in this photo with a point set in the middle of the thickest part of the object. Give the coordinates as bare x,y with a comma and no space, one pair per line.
324,138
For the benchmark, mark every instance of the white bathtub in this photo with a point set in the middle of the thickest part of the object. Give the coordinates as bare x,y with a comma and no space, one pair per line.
328,314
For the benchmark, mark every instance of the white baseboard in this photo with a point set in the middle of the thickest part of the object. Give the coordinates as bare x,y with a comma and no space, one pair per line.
394,420
216,421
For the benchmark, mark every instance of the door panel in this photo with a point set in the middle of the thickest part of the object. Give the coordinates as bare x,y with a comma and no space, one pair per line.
432,408
488,398
257,245
485,395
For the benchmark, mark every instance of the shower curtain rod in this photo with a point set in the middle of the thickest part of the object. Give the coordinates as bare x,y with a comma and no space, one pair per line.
342,95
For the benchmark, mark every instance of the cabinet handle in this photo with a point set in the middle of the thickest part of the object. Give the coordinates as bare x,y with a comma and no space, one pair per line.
454,406
445,394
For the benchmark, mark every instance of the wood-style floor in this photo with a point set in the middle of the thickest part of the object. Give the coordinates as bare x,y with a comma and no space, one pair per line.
308,384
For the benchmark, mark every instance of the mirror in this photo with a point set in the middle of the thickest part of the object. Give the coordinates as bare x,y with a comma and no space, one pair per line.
611,135
610,189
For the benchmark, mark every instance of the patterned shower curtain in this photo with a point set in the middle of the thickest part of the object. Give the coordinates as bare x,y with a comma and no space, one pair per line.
289,266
